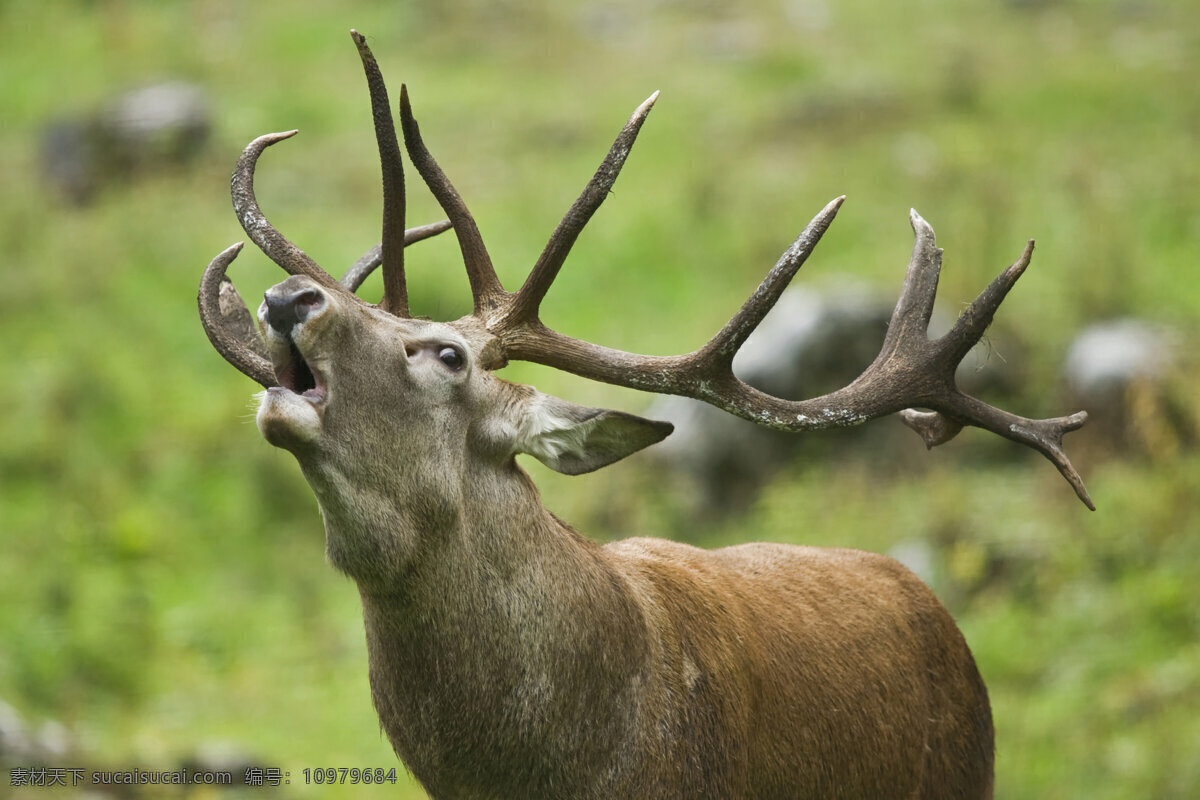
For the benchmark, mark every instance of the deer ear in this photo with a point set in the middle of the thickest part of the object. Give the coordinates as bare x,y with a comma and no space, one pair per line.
574,439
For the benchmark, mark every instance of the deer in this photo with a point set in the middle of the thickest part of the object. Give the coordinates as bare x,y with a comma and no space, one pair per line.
509,656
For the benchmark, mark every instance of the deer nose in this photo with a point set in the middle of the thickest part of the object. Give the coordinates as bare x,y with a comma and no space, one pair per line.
285,310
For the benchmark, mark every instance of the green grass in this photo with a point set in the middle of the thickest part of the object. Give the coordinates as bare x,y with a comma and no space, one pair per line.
162,582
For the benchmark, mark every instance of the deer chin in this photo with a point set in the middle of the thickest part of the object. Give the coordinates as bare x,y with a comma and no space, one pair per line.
289,420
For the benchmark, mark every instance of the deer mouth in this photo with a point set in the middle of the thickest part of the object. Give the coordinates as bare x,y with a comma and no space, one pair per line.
296,375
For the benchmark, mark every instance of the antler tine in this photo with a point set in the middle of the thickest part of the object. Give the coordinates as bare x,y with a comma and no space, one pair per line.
1043,435
395,292
370,260
527,301
725,344
976,317
485,286
228,323
914,308
293,260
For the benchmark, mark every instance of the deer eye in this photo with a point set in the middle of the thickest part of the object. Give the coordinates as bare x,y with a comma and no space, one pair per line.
450,357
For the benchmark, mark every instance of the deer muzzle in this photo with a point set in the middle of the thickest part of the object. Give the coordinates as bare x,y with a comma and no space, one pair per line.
284,307
290,413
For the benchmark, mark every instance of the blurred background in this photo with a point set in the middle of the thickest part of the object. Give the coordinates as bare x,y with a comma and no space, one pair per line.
164,599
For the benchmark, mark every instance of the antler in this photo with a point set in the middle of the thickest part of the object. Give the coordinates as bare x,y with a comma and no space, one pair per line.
911,371
395,293
226,320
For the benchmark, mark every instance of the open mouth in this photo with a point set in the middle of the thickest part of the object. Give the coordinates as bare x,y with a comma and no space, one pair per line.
295,375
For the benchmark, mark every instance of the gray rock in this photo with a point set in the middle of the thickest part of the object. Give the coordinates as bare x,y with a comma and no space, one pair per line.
1105,358
136,132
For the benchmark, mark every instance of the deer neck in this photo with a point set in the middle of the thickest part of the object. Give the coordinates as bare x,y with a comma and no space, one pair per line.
509,639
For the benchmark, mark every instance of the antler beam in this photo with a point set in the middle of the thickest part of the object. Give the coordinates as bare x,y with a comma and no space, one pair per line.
911,371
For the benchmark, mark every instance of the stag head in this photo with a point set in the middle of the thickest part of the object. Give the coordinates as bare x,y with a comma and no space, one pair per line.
397,418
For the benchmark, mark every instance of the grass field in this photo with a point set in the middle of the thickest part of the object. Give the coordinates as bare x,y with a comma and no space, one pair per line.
163,590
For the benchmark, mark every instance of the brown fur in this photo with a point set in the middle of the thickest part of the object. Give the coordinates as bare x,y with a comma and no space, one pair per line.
511,658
